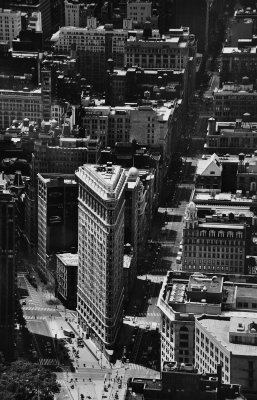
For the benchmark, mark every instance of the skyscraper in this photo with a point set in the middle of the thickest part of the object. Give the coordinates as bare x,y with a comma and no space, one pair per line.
7,273
57,218
100,250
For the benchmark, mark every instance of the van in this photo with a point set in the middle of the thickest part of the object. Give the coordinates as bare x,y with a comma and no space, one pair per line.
178,260
69,333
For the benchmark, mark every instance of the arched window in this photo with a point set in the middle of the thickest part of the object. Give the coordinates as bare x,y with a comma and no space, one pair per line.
230,234
221,234
239,235
212,233
202,233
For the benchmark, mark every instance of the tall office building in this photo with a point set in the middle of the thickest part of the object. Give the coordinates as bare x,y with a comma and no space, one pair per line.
57,218
46,7
7,273
10,22
100,251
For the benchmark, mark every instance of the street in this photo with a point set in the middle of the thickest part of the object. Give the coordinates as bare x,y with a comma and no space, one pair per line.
80,370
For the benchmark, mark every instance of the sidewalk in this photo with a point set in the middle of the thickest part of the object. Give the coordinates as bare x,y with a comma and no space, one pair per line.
94,350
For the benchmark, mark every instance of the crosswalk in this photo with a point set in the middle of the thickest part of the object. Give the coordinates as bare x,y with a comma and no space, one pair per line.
152,314
33,294
134,366
48,361
31,308
32,317
41,317
61,382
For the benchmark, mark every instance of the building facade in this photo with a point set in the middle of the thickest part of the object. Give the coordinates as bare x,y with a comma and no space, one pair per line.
139,11
213,245
150,124
170,51
247,174
67,279
233,101
72,13
100,251
179,301
10,22
57,219
94,45
77,12
19,105
66,157
232,137
229,341
239,61
45,7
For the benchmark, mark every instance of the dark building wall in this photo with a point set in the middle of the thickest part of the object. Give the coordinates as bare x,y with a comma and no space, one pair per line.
29,40
7,275
62,218
19,67
72,282
193,14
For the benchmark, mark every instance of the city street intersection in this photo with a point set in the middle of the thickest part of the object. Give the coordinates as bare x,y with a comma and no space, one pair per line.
93,376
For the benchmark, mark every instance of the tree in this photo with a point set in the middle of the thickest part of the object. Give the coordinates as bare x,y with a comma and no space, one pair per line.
27,381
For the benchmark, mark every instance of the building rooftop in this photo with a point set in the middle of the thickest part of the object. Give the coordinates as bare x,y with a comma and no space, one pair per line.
220,328
108,179
233,50
224,202
247,291
68,259
221,225
179,301
56,178
209,166
200,282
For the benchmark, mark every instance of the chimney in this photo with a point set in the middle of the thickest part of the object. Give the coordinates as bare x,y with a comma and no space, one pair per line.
211,126
109,167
